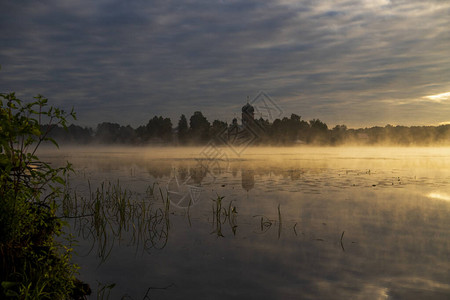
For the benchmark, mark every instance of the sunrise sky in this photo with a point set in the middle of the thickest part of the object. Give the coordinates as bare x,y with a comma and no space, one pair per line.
360,63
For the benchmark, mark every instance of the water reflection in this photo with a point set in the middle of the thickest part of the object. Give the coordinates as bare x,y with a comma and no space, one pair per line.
278,230
291,174
439,195
248,179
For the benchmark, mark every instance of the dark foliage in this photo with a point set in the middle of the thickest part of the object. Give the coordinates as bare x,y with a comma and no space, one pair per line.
285,131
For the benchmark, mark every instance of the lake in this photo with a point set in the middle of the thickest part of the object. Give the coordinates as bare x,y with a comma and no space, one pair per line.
265,223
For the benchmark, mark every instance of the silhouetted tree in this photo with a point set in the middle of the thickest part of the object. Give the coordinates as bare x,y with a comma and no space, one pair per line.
107,132
338,134
160,128
284,131
157,129
318,125
297,128
199,127
423,135
141,133
74,134
114,133
218,130
126,135
182,130
318,132
262,130
287,130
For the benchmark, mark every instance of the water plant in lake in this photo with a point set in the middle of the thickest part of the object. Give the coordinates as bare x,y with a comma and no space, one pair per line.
223,214
33,265
104,290
266,223
111,214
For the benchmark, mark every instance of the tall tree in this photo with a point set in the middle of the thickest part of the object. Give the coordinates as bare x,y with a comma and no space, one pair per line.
317,124
199,127
182,130
318,132
158,128
107,132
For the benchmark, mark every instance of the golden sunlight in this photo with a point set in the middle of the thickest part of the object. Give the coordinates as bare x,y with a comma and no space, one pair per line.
439,97
439,196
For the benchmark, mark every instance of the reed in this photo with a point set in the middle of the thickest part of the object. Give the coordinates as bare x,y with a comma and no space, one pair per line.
341,240
222,215
279,222
112,214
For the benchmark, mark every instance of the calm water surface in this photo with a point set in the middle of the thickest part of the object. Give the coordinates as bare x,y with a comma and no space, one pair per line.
296,223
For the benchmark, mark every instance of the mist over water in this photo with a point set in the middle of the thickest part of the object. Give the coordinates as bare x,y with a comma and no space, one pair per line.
304,222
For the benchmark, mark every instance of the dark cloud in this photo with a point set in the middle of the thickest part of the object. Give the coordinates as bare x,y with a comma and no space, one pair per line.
354,62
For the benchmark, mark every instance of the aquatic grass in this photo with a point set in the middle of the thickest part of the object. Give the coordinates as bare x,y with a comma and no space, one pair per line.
104,290
231,214
279,222
222,215
266,223
111,213
147,294
150,191
188,211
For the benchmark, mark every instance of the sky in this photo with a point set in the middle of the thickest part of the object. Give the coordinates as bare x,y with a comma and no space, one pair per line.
360,63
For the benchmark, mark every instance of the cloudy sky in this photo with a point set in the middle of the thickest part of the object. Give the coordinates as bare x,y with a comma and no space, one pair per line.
354,62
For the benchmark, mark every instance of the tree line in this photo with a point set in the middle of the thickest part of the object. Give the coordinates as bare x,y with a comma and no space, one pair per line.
281,132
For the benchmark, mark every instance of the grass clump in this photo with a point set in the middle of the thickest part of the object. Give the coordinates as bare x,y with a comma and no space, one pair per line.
33,264
111,214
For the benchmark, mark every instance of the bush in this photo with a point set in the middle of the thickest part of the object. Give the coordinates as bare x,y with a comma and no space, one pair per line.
33,264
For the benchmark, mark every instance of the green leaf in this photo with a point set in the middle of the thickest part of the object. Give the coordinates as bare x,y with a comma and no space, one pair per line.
11,293
52,141
9,284
36,131
59,180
